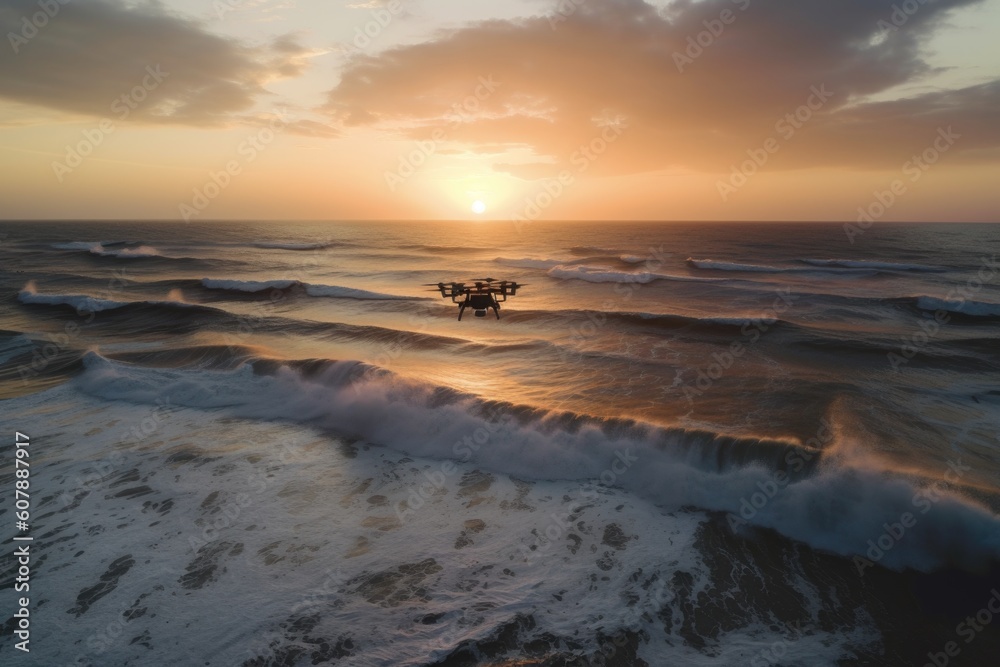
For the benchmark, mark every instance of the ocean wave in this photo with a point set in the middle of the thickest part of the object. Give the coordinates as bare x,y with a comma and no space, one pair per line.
338,292
13,344
108,249
250,286
716,265
268,245
331,291
595,250
139,252
84,303
826,497
593,274
529,262
871,264
78,245
442,249
732,266
962,307
721,325
80,302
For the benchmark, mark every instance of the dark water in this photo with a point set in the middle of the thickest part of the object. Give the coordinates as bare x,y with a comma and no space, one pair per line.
714,444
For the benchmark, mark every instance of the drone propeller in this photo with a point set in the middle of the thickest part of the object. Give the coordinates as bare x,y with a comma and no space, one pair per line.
483,280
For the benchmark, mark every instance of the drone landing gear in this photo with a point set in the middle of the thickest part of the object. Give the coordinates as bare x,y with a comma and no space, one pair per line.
479,312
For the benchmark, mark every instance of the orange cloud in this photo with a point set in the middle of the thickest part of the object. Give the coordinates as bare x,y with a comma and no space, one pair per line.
697,85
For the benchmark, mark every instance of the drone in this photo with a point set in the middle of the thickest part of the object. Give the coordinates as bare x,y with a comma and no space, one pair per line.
481,296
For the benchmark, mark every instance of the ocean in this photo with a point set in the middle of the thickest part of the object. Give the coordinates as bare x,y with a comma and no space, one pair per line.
264,443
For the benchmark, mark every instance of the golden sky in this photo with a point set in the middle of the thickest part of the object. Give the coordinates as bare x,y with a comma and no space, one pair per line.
523,109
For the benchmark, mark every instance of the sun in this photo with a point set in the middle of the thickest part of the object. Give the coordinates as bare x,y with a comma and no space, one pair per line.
478,207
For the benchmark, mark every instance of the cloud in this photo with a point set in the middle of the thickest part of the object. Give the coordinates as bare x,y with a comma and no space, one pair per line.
90,54
563,75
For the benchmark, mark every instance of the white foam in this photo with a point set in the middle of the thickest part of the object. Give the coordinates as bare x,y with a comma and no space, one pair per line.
84,303
99,248
81,302
838,510
136,253
290,499
139,252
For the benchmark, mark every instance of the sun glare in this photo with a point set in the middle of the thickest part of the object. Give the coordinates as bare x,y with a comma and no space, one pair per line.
478,207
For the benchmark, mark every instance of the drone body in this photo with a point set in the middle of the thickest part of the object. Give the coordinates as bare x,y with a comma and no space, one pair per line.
483,295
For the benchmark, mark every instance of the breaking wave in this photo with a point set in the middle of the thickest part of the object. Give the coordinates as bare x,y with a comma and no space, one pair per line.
823,495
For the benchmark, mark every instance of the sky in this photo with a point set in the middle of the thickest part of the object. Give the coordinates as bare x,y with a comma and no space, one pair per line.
199,110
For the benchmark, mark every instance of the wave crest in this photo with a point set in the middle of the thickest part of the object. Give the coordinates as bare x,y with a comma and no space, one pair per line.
293,246
110,249
594,274
332,291
835,503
